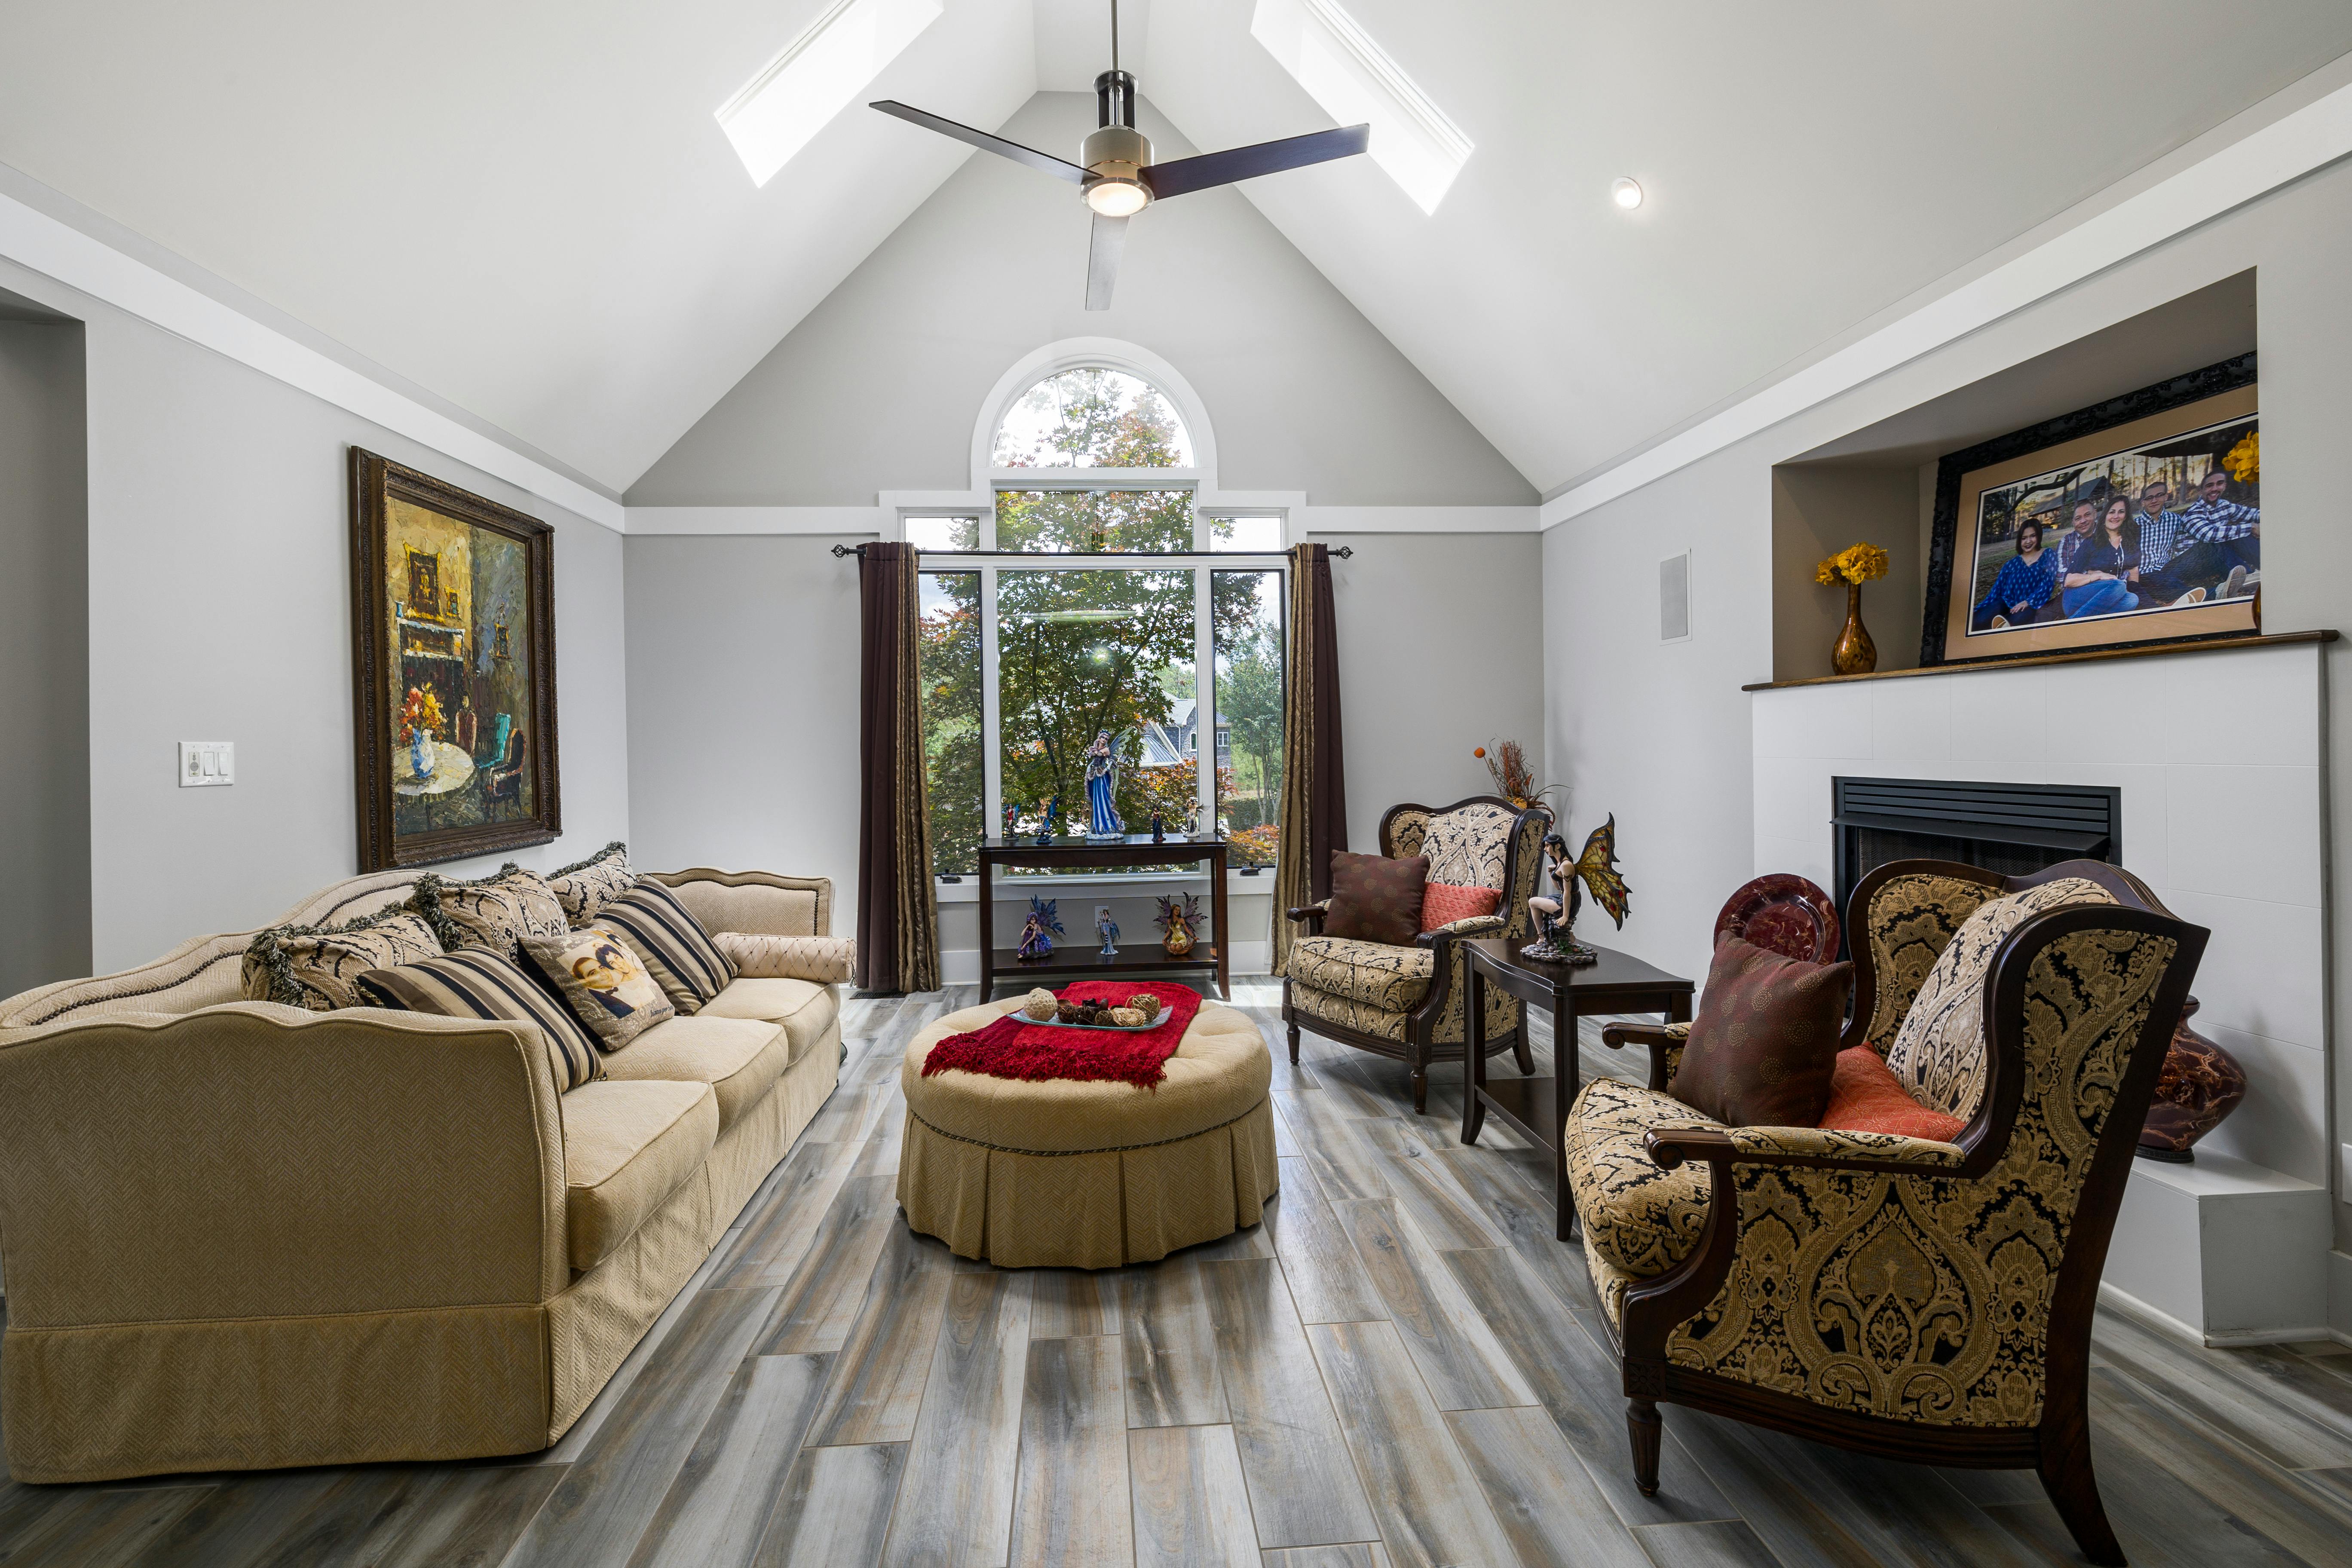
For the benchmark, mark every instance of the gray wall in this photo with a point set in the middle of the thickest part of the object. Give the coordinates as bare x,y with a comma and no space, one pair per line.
219,608
43,653
880,384
1660,733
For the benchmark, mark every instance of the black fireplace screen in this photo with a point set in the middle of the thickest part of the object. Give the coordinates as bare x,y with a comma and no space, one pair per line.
2011,829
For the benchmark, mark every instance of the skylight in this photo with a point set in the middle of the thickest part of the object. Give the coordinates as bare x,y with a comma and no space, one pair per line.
1356,81
781,109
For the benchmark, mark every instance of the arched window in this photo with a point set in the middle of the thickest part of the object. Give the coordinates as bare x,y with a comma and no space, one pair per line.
1092,416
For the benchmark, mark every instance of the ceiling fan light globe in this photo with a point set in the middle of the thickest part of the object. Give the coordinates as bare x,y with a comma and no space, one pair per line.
1117,198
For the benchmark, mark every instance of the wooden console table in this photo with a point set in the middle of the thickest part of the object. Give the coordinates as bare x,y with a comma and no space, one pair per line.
1537,1107
1075,956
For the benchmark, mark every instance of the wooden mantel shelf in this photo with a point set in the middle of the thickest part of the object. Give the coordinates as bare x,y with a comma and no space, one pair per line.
2078,656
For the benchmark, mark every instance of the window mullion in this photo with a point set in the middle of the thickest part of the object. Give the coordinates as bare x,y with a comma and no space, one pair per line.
1204,695
991,749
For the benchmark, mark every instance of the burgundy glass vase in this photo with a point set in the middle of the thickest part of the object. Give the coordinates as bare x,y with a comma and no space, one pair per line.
2199,1086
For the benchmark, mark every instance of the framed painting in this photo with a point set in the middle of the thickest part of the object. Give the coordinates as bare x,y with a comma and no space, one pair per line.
2138,520
453,621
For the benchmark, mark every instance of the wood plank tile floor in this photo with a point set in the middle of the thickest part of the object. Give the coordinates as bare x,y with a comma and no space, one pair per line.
1400,1368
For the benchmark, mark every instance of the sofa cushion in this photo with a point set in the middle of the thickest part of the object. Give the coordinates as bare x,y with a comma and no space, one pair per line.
1641,1219
1312,1004
740,1058
478,983
1765,1043
602,981
1939,1053
584,887
318,966
627,1148
1394,979
804,1010
1374,898
494,912
670,942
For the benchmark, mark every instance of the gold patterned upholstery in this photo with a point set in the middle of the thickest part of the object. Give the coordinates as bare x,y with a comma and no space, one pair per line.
1643,1219
1392,979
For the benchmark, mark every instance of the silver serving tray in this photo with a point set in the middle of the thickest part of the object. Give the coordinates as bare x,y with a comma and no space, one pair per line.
1094,1028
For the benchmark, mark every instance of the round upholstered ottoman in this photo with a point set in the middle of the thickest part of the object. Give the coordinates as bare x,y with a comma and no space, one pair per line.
1090,1175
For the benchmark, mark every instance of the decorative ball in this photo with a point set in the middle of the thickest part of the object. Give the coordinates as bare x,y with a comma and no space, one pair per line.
1145,1003
1038,1005
1127,1017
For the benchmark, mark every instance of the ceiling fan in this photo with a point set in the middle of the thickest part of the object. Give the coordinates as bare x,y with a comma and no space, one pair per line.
1115,171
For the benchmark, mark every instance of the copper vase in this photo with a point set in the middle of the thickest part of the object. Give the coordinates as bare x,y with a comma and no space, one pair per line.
2200,1084
1855,654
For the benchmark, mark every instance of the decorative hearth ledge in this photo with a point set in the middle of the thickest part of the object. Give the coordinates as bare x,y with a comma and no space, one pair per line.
2078,656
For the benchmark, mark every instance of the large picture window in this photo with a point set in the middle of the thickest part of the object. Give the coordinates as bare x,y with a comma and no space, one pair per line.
1042,630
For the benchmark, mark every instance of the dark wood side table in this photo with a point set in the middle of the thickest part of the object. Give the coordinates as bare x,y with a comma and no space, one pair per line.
1075,956
1537,1107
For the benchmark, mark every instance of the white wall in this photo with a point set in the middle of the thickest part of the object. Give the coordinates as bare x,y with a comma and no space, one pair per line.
43,653
878,386
1661,733
220,609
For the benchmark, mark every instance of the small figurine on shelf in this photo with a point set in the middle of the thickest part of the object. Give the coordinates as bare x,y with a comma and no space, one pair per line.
1178,920
1159,828
1103,824
1038,931
1049,818
1555,917
1107,928
1011,822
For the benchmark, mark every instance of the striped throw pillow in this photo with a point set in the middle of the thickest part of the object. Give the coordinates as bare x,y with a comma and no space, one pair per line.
476,983
670,942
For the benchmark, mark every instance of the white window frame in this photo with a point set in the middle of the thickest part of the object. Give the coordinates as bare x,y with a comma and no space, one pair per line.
1210,502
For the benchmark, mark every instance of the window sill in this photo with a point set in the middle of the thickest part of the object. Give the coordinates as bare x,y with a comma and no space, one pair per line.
1237,883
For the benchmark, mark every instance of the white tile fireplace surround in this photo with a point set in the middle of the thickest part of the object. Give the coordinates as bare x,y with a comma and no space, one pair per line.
2218,758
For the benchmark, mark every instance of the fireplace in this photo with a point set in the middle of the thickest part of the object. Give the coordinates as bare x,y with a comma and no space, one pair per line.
2011,828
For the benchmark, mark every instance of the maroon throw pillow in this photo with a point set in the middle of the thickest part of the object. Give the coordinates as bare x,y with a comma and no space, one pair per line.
1763,1049
1375,898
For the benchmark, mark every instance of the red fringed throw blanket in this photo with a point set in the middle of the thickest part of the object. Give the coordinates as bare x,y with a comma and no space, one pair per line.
1015,1048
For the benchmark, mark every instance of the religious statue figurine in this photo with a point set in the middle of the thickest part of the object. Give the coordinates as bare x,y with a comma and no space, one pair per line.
1555,917
1103,826
1108,930
1038,931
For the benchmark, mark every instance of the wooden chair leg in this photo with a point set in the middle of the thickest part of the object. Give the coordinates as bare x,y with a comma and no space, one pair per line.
2074,1491
1641,1423
1292,1031
1420,1090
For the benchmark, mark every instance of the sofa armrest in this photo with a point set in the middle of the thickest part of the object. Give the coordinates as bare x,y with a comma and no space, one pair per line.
759,902
251,1160
823,960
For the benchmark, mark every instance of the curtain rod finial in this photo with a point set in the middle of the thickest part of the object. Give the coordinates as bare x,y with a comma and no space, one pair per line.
841,550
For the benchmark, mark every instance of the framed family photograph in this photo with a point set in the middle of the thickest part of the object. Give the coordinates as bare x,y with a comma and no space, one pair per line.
452,619
2138,520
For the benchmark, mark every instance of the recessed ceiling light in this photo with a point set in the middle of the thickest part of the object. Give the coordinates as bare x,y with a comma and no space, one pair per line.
1625,193
781,109
1330,55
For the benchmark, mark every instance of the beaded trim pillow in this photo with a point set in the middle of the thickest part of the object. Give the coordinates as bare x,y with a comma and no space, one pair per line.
587,886
316,966
496,912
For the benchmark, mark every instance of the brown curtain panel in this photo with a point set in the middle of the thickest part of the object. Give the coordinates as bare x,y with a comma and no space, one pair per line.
897,914
1314,782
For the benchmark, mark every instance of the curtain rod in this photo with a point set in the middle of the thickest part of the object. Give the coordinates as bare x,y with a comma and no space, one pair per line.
1345,553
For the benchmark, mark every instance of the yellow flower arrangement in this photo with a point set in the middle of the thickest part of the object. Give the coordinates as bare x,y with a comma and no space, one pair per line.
2245,459
1854,563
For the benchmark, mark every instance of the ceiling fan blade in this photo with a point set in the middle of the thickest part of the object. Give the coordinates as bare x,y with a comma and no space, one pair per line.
1103,249
1044,161
1248,162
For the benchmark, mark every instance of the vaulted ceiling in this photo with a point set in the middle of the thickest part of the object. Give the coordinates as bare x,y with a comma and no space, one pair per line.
527,208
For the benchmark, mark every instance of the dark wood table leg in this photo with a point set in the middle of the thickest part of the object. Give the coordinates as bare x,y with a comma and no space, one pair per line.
987,933
1473,1107
1567,1069
1217,916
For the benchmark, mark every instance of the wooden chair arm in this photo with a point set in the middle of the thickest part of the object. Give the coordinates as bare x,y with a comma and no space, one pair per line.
1617,1036
1311,914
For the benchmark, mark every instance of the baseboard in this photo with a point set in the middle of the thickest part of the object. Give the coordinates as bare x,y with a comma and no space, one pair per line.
2132,1307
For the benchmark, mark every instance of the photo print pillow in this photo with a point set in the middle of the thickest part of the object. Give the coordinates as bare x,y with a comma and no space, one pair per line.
594,971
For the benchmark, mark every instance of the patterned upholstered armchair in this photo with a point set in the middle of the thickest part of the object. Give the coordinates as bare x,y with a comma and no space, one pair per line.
1924,1300
1407,1002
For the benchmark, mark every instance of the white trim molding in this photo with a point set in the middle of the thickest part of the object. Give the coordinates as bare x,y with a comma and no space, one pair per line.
2294,145
56,250
885,520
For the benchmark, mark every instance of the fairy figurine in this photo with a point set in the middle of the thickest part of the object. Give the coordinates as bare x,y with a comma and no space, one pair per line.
1103,824
1555,917
1038,931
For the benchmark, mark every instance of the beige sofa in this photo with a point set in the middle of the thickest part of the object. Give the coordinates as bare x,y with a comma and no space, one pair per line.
238,1235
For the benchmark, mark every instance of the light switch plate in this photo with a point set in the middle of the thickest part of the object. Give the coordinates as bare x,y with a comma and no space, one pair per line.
206,763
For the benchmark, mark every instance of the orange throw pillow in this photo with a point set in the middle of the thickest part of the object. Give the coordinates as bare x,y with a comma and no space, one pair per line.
1442,903
1865,1098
